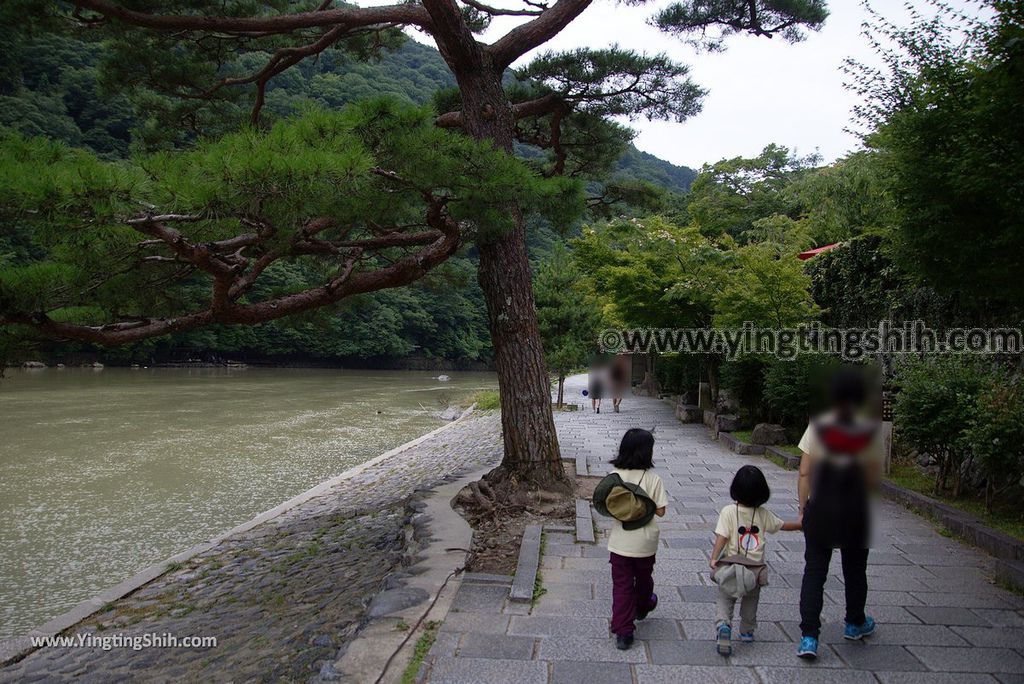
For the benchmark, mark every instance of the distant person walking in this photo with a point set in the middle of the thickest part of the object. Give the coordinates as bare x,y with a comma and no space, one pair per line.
596,386
619,380
841,463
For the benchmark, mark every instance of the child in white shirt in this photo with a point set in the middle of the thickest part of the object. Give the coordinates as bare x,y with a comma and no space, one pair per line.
740,532
632,551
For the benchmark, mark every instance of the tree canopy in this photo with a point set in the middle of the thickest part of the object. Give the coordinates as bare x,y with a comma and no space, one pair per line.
376,195
945,113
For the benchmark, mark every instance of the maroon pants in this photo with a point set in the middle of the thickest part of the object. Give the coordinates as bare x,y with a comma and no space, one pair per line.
632,588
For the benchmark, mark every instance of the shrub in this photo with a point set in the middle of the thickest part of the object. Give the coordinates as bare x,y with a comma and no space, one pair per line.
679,374
934,407
487,400
744,378
793,389
996,435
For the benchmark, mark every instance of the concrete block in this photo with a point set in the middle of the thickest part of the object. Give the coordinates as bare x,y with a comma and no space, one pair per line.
571,672
584,522
953,659
479,645
724,673
864,655
939,615
492,670
557,625
526,570
589,650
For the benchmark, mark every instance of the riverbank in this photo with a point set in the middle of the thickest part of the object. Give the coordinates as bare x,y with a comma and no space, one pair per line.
283,596
98,361
103,473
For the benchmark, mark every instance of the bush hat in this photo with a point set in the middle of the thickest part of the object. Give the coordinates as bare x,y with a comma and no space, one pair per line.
626,502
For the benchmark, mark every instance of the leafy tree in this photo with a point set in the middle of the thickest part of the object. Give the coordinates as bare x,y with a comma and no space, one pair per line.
996,435
793,389
766,289
650,272
935,403
208,52
727,17
566,314
946,114
843,200
781,233
855,284
727,197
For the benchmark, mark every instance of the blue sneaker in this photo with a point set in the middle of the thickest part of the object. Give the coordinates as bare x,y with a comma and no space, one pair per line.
747,637
723,643
857,632
808,648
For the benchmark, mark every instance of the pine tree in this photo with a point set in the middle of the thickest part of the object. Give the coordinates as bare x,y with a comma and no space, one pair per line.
194,56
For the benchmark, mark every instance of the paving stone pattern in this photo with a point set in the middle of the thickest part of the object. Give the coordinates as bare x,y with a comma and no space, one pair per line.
940,619
286,596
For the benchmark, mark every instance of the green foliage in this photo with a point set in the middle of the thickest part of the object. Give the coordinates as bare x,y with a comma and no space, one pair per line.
566,313
729,196
936,402
646,167
617,82
846,199
368,165
66,85
793,389
419,653
996,434
650,272
744,379
765,288
788,19
947,116
855,283
679,374
487,400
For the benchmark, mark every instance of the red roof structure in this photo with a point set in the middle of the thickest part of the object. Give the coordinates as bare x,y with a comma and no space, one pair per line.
804,256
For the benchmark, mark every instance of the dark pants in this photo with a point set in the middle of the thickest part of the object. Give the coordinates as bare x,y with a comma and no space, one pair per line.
812,589
632,587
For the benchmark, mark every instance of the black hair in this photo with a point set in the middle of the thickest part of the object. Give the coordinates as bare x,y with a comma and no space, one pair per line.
636,450
749,488
847,388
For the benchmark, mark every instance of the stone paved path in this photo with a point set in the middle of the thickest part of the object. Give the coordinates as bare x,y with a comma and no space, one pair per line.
940,619
282,598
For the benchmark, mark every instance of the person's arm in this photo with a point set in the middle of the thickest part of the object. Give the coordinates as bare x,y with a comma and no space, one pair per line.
873,471
716,550
803,486
660,498
791,525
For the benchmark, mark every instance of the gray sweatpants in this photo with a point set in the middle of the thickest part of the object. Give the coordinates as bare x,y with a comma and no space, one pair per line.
748,610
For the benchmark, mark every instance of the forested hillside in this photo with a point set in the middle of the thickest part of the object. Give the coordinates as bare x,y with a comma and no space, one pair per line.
54,87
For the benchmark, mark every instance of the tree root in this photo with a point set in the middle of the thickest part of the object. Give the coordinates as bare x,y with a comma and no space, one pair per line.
499,507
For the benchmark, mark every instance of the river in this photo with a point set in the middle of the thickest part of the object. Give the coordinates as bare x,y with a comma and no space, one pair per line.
103,472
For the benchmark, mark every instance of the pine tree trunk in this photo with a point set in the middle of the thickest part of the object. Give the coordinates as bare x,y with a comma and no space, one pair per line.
532,456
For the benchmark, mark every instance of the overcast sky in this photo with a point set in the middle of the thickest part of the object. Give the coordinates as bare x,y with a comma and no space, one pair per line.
761,90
